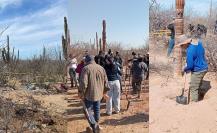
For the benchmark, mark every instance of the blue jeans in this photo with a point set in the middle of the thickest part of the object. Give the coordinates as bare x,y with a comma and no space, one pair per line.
95,107
171,46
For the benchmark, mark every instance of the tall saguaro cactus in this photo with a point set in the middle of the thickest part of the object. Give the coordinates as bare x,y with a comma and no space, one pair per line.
104,35
100,44
179,30
97,44
65,39
6,54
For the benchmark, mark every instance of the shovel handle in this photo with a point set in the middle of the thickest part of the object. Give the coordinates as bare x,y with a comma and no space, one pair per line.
185,80
188,100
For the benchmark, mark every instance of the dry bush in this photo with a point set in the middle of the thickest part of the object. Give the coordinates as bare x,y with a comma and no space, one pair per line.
27,115
79,49
161,16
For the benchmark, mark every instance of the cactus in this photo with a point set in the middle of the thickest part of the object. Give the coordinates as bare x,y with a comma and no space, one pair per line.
7,56
65,40
6,53
44,54
18,55
104,35
100,44
97,45
179,28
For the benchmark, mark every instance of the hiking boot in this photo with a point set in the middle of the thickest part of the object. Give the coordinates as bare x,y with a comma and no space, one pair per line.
97,129
139,96
134,92
89,130
108,114
116,112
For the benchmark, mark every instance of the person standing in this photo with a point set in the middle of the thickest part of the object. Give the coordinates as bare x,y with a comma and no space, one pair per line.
72,67
118,61
100,58
146,61
80,67
114,93
93,86
138,73
215,27
196,63
171,27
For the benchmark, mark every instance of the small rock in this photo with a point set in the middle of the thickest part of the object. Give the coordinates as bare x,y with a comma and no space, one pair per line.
44,125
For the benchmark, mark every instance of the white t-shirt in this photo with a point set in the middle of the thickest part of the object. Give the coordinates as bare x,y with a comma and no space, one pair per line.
73,63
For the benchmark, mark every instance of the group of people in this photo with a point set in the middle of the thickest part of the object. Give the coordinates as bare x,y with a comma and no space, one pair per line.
100,77
196,63
215,27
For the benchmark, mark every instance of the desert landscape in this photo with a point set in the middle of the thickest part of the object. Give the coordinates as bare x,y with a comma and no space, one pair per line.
36,93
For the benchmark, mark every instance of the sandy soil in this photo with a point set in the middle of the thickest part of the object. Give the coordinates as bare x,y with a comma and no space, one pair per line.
166,116
134,120
67,107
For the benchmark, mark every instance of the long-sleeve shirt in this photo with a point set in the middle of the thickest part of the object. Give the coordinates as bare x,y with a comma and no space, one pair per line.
79,68
112,72
138,69
171,27
93,82
195,59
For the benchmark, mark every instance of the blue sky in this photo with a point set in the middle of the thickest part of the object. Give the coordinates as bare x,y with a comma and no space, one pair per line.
33,24
127,20
37,23
200,7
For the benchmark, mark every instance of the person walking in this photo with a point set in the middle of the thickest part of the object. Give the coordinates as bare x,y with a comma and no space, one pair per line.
114,93
93,86
138,73
80,67
72,67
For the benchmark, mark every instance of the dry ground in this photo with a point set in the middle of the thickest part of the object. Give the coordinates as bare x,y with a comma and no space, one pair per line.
166,116
66,111
134,120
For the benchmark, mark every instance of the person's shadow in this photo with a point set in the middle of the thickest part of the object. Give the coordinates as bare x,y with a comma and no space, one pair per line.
205,87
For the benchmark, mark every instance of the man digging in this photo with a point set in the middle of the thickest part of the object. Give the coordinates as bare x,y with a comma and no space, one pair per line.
195,61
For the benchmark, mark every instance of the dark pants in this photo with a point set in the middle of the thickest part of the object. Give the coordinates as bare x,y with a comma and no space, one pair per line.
120,80
73,78
195,85
93,106
171,46
137,84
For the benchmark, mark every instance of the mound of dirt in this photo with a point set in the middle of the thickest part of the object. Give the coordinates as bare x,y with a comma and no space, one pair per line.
168,116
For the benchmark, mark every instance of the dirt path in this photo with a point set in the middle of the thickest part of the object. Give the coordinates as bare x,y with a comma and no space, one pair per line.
135,120
66,111
166,116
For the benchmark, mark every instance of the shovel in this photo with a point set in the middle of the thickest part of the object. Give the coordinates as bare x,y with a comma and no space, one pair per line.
183,99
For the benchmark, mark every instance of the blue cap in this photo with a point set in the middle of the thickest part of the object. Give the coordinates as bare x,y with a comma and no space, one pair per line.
89,58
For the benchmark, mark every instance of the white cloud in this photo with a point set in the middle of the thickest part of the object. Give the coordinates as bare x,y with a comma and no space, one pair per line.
43,27
4,3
